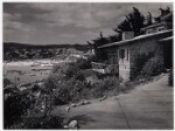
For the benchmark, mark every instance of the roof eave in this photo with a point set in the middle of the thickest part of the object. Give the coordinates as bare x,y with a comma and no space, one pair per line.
132,40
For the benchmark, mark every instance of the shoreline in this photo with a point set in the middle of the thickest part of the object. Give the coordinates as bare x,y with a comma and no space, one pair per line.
32,62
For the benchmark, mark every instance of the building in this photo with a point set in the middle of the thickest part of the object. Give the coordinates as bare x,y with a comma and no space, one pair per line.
164,24
124,54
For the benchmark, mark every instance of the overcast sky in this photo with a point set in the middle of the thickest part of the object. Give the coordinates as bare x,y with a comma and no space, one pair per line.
57,23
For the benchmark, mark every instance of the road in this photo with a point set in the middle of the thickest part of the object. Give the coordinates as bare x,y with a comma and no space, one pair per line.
147,106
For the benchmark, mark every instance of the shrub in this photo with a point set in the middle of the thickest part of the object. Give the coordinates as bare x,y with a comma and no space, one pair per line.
139,62
69,83
65,71
105,85
170,78
112,69
71,71
84,63
7,82
61,94
68,91
15,106
49,122
93,58
152,67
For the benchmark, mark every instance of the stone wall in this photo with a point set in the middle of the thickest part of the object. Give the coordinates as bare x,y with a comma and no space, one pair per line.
124,62
145,48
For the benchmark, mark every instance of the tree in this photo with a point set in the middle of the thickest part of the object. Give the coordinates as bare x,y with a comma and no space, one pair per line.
149,19
101,40
134,22
163,12
114,38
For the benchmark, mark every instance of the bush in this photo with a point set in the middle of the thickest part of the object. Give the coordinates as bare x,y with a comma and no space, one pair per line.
70,85
170,78
7,82
15,106
152,67
67,91
49,122
139,62
106,85
68,70
66,82
84,64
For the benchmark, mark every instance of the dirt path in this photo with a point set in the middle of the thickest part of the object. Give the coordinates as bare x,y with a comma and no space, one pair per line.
148,106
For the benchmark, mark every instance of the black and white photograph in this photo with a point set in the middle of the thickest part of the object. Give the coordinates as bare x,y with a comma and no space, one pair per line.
87,65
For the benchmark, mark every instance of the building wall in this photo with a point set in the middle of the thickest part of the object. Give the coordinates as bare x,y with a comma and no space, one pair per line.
148,48
126,65
124,62
145,50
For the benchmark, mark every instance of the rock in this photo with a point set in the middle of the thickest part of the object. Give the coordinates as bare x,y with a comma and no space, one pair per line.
42,107
40,84
67,109
66,127
85,102
37,94
22,88
73,124
80,103
73,105
103,98
66,121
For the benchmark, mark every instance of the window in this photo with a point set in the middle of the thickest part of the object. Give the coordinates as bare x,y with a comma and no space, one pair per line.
122,53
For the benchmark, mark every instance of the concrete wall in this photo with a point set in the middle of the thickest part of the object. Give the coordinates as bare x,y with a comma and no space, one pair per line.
124,62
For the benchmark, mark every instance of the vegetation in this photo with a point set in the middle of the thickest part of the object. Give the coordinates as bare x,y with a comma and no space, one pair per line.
154,66
22,109
49,122
139,62
147,65
70,83
170,78
15,106
163,13
133,22
15,51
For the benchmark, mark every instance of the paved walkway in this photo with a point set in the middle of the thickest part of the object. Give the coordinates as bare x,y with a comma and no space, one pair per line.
149,106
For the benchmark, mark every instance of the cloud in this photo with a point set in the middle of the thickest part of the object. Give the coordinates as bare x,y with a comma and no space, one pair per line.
42,23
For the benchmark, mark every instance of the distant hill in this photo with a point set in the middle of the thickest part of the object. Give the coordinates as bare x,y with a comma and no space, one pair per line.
19,51
22,45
